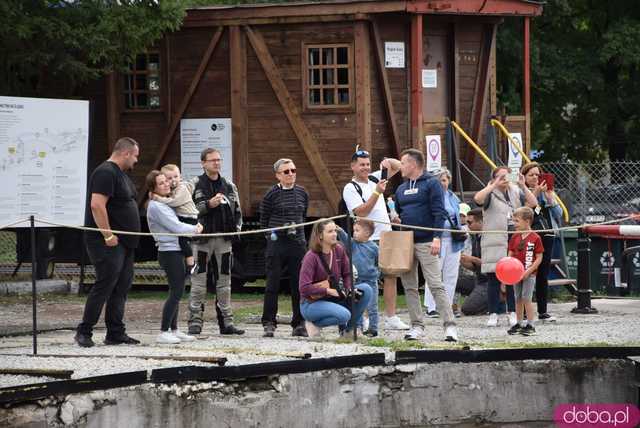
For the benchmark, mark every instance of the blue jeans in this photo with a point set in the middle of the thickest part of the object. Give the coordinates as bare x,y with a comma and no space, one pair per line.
372,307
323,313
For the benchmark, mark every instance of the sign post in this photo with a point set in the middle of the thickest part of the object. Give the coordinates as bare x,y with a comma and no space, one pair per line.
434,152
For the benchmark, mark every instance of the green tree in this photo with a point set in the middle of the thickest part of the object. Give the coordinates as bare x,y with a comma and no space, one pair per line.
51,47
585,87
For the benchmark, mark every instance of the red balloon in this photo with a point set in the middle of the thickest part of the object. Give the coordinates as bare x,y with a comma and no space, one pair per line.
509,270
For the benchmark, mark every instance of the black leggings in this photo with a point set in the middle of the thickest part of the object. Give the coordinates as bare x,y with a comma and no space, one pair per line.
173,264
542,277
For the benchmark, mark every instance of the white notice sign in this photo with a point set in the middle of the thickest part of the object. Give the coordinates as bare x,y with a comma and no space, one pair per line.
43,160
434,152
430,78
394,54
515,158
198,134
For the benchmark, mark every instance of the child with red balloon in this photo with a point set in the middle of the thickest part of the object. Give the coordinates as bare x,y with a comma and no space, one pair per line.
526,247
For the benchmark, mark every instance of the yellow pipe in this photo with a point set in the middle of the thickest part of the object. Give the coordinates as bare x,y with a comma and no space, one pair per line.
504,130
474,145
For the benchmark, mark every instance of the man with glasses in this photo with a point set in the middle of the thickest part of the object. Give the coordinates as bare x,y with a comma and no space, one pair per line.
284,204
218,211
364,197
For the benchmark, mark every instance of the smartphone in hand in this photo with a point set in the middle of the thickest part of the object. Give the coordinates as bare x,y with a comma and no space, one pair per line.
384,172
548,178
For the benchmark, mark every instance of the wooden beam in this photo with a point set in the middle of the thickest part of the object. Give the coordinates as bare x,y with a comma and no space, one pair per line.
478,108
294,117
283,10
113,111
384,80
216,22
526,84
239,117
475,7
363,85
186,99
416,80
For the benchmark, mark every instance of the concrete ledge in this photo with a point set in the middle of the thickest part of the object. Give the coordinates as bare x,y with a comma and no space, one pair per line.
42,286
523,393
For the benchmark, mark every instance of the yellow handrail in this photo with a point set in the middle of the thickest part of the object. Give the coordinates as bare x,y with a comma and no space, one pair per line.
504,130
474,145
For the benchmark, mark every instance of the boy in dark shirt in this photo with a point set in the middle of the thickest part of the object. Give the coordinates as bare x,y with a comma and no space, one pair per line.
526,247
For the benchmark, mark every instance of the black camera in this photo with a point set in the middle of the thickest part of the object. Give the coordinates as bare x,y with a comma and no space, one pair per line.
356,294
291,232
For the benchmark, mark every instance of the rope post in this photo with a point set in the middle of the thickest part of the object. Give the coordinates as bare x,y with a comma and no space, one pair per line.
353,283
584,271
34,332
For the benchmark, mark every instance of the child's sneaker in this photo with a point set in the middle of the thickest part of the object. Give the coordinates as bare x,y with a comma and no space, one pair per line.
515,329
493,320
528,330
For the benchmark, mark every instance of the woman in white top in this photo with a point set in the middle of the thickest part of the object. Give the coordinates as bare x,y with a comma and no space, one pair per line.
162,219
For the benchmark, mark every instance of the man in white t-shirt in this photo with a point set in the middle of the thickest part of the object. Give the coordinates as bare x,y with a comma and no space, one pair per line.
365,198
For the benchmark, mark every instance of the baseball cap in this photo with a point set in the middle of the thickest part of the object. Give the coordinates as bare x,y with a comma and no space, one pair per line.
464,208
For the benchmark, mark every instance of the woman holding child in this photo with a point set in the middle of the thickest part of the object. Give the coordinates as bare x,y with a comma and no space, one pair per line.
163,219
324,267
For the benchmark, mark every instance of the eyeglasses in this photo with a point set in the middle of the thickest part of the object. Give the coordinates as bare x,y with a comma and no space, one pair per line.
360,154
288,171
213,160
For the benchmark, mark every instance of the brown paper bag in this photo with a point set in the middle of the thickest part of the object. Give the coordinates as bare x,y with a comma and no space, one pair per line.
396,252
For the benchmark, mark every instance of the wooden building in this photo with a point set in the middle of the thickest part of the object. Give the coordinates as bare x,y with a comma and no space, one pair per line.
309,81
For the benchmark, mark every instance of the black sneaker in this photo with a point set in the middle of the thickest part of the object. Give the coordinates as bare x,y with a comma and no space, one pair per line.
231,330
84,340
269,330
528,330
371,333
299,331
195,329
515,329
123,339
546,317
433,314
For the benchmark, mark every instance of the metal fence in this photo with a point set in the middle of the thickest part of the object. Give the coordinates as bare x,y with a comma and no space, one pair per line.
596,192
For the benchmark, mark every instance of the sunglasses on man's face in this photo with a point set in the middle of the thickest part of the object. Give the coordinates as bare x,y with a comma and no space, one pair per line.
288,171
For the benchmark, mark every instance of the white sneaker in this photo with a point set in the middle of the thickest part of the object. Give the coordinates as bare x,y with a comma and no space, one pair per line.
365,323
513,320
167,337
414,333
395,323
312,329
183,336
451,333
493,320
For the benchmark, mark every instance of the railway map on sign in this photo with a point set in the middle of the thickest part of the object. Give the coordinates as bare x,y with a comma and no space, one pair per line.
198,134
43,159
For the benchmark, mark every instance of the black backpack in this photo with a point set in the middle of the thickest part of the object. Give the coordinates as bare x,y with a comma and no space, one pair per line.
342,205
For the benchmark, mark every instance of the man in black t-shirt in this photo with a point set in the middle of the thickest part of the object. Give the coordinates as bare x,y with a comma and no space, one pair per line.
111,205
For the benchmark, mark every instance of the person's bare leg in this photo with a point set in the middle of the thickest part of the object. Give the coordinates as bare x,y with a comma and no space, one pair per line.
390,295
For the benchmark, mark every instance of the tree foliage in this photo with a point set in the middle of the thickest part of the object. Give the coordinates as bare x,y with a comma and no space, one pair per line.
49,47
585,67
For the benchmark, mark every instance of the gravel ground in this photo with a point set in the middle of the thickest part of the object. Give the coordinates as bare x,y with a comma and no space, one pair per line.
617,323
